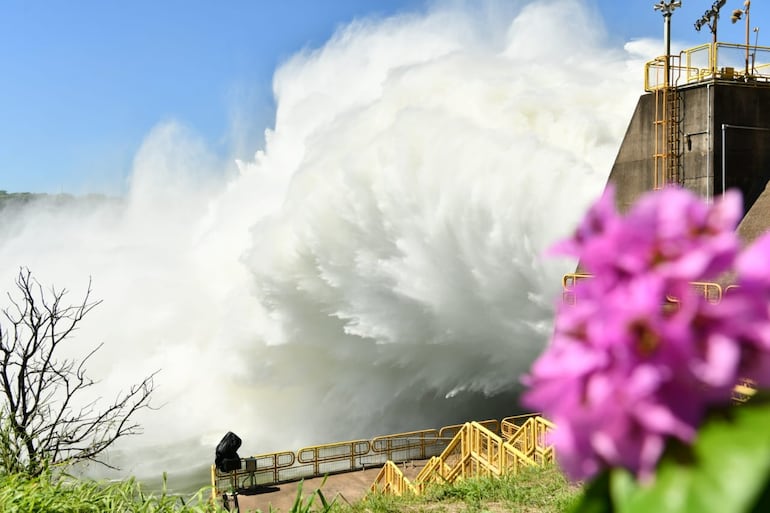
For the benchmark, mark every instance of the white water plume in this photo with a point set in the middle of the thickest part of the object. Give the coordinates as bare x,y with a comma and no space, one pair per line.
379,266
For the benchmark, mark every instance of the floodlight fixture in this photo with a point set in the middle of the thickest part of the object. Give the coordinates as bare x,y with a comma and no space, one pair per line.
667,7
710,18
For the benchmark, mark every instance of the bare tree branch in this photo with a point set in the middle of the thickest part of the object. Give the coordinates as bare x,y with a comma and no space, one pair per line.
38,424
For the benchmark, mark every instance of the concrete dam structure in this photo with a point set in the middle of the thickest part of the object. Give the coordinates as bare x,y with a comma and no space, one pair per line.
707,130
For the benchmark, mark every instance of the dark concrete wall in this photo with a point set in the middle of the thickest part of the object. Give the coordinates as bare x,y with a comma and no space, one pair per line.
697,140
705,108
747,150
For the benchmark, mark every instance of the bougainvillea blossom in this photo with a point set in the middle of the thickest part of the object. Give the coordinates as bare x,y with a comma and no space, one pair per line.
641,357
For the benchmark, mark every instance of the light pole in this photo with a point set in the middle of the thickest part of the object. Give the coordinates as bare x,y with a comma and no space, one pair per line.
667,8
737,14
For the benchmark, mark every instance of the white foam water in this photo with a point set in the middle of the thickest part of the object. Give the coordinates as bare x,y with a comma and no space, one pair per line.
379,266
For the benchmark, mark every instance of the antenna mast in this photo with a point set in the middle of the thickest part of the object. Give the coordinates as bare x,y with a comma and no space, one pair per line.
667,8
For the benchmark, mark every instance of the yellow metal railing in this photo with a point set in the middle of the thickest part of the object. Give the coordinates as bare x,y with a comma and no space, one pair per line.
509,426
476,451
712,61
415,443
710,291
568,283
333,457
532,435
318,460
393,481
448,432
261,469
744,390
430,473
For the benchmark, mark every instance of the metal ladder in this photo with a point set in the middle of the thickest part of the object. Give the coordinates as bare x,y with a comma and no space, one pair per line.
667,123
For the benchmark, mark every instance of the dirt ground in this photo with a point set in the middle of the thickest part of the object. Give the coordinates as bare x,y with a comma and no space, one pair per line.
347,487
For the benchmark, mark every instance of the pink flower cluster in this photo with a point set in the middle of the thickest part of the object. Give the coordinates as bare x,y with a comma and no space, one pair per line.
641,356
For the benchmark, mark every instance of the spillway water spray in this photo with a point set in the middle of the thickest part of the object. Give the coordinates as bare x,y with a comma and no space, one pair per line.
379,266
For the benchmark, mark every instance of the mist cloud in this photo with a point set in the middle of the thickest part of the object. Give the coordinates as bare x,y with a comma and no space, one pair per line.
378,266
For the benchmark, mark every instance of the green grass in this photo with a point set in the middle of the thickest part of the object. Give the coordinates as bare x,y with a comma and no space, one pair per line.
47,494
535,490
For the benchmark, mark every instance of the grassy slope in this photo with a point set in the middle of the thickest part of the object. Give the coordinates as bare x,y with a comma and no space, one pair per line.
537,490
64,495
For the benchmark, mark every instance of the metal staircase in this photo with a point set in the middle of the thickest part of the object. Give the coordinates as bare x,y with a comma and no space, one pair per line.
476,451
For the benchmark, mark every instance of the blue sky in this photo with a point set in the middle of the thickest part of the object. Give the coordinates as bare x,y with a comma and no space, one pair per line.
82,83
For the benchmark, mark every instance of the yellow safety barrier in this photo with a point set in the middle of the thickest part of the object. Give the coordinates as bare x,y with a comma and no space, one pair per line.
711,292
411,445
393,480
318,460
568,283
509,426
449,432
744,390
711,61
256,470
431,473
333,457
475,451
531,436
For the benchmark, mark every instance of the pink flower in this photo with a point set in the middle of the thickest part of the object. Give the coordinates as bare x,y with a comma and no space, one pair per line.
746,310
626,369
671,231
612,381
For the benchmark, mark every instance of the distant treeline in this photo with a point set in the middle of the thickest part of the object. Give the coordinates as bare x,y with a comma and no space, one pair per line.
17,199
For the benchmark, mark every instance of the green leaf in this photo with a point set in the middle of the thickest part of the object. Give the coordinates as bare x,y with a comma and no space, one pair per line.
763,504
622,485
726,469
326,505
595,497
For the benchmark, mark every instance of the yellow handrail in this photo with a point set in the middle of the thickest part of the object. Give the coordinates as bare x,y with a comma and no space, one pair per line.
532,435
405,442
475,451
260,469
449,432
744,390
334,452
711,291
509,425
431,473
711,61
568,283
317,460
391,480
